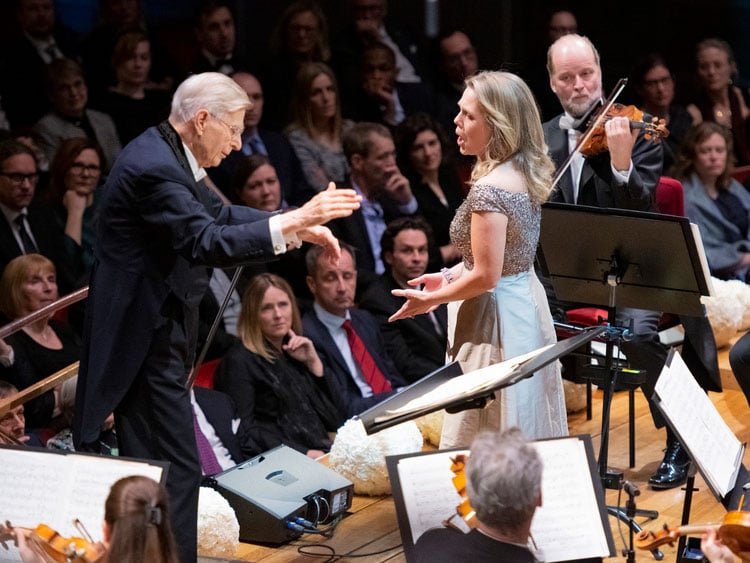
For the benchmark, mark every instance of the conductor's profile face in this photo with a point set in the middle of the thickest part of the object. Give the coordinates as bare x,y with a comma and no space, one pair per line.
221,135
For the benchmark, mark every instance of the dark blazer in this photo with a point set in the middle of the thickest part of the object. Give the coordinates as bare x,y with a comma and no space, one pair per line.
597,187
294,187
220,410
350,399
24,86
50,238
158,233
415,346
412,97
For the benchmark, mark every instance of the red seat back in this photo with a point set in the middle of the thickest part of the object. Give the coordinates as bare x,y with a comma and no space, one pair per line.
205,376
670,198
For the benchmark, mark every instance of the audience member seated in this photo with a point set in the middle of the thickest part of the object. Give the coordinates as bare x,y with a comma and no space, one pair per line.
136,525
40,42
259,140
715,201
275,377
70,115
115,18
417,345
41,348
368,23
654,84
380,97
504,485
719,100
556,23
133,105
348,340
27,227
13,423
457,60
425,158
29,138
74,178
216,35
216,423
316,127
386,195
300,36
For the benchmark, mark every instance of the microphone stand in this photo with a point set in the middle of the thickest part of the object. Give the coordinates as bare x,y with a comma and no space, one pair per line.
214,328
630,511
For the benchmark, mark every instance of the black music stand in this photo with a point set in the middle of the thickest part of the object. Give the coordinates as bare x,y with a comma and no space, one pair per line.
620,258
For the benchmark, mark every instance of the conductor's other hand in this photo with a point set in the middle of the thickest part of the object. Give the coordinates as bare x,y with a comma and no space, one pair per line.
329,204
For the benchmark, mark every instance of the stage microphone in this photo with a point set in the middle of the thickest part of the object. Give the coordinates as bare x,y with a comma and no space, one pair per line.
631,488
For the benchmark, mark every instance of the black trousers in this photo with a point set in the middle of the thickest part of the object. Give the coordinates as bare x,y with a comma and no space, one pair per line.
155,421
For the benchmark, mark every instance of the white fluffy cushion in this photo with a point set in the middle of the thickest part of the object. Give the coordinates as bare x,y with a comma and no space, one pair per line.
726,308
218,529
431,426
361,458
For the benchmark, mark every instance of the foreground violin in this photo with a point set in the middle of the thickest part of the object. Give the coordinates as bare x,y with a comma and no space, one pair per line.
464,509
734,532
54,547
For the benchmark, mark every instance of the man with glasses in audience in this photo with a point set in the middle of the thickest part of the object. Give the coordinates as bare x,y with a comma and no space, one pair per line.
28,227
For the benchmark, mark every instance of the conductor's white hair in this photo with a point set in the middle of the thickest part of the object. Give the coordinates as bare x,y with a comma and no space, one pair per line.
212,91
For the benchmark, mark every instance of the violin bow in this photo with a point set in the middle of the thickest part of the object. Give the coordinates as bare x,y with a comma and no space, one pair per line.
619,87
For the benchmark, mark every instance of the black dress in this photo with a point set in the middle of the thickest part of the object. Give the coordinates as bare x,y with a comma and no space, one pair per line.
133,116
33,362
279,402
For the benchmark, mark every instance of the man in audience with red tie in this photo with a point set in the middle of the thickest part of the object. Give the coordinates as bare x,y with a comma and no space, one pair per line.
347,339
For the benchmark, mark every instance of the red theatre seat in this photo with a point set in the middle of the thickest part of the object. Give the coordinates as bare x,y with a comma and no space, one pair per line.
205,376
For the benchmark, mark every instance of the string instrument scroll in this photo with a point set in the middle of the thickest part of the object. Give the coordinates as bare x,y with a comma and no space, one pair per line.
464,508
734,532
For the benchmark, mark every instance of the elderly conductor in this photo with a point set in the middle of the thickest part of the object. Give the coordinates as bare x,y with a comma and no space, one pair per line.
160,229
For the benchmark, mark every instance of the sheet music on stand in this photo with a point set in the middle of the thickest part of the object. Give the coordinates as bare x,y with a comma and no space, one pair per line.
54,488
570,525
690,413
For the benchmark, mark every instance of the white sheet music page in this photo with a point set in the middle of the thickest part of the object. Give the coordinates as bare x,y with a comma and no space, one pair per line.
568,525
711,443
48,488
429,494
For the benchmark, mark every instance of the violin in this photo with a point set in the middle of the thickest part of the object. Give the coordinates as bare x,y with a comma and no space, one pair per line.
734,532
56,548
464,508
596,142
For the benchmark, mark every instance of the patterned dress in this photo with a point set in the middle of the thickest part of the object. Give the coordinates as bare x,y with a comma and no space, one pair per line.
510,320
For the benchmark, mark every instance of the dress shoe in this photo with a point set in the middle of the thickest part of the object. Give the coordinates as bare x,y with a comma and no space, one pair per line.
673,470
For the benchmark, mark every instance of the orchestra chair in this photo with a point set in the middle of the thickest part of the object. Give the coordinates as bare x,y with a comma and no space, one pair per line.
741,173
206,371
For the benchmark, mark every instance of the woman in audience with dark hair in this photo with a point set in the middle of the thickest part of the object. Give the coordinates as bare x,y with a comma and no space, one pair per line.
300,36
136,526
275,376
655,85
133,105
716,202
316,128
719,100
424,157
74,177
41,348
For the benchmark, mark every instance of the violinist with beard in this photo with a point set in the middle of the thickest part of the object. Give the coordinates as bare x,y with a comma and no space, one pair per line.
625,177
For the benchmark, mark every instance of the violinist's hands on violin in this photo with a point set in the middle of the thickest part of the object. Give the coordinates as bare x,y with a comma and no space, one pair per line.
713,548
620,140
418,301
26,549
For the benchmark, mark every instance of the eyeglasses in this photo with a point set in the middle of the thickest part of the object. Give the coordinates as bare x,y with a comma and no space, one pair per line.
663,81
234,130
78,168
17,178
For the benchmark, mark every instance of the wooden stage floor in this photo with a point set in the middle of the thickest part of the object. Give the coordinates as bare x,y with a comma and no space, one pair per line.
372,526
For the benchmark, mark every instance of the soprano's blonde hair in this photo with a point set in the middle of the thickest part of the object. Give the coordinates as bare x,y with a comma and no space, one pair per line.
516,135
